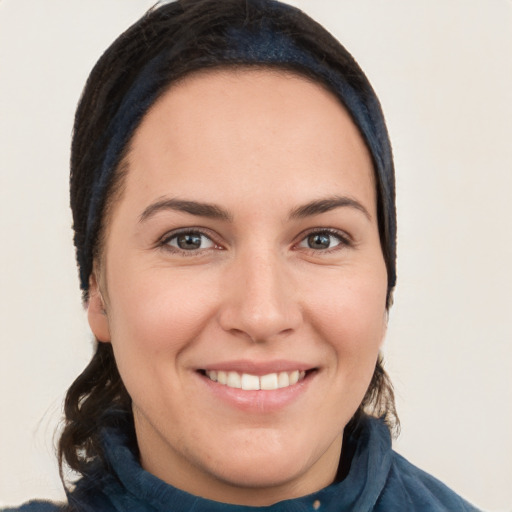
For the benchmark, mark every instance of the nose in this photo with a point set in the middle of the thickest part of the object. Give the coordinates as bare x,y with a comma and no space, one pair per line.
260,299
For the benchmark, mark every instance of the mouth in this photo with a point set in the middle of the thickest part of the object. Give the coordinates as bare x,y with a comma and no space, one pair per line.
250,382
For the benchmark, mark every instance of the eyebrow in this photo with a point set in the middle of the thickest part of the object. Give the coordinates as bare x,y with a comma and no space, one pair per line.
193,207
213,211
326,205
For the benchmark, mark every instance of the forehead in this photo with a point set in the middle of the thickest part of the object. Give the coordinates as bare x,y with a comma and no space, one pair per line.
249,127
248,90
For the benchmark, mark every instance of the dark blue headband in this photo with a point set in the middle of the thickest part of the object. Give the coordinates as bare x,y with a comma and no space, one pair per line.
246,46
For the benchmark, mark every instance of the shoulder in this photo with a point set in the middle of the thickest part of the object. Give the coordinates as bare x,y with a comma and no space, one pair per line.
410,488
36,506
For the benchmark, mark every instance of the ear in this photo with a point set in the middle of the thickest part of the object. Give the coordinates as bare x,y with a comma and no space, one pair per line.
96,313
385,321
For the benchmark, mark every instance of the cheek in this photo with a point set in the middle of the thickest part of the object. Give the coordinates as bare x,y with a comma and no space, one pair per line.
353,304
349,313
155,313
155,319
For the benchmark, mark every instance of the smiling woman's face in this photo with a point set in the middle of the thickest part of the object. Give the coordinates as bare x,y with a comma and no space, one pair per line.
244,251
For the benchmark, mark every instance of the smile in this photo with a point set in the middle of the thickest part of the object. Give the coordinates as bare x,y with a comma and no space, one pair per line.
248,382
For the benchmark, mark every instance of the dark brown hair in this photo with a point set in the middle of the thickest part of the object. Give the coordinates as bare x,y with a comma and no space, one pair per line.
196,32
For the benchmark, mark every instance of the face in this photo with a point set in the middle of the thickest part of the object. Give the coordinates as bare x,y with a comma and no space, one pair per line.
244,284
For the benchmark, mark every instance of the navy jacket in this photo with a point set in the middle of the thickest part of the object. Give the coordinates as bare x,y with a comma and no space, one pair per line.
379,480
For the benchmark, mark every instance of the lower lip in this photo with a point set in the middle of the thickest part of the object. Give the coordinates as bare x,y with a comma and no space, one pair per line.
259,401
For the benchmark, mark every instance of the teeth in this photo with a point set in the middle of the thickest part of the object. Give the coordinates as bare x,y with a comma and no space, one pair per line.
294,377
283,381
234,380
250,382
269,381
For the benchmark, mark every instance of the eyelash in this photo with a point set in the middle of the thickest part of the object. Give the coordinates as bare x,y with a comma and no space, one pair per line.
164,242
343,239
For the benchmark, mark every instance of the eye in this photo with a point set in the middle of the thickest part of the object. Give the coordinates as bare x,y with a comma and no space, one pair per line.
189,241
323,240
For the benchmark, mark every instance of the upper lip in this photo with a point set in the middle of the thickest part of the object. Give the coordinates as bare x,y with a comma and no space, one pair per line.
258,367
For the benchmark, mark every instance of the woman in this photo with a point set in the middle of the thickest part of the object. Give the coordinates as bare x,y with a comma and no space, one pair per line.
232,190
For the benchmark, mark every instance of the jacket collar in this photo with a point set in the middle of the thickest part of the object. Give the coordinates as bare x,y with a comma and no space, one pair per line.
128,487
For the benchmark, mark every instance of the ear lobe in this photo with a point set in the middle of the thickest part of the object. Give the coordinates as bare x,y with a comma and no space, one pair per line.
96,314
385,321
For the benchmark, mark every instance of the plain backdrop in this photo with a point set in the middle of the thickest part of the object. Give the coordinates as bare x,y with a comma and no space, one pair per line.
443,71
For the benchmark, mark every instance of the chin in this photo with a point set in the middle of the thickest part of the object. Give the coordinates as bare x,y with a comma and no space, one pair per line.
269,460
260,471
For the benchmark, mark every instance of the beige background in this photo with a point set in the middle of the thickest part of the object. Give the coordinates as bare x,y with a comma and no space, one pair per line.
443,71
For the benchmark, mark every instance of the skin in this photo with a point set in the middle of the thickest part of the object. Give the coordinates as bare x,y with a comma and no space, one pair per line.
258,144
